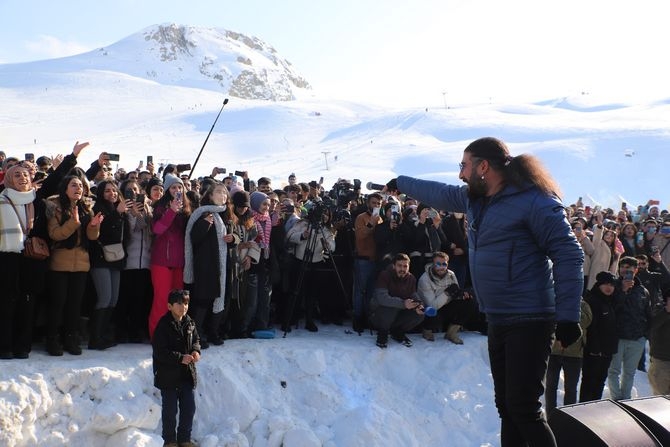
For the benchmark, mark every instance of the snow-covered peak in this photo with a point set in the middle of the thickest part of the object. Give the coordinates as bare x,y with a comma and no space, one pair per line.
211,58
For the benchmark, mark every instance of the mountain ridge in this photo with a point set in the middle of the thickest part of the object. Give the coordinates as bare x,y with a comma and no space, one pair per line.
189,56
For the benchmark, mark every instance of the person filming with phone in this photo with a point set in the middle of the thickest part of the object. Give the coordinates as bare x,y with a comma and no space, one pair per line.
632,308
171,213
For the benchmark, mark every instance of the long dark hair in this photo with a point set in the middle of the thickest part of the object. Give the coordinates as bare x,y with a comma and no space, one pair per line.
65,205
164,202
519,170
100,201
229,217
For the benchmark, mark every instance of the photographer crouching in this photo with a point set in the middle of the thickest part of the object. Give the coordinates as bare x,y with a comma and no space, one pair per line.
438,288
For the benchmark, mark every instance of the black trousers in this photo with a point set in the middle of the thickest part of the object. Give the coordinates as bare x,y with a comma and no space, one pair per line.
594,374
67,292
181,398
394,320
455,312
18,305
518,354
572,367
135,297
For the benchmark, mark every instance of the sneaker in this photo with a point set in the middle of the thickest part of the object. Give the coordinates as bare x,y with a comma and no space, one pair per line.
427,334
382,339
402,338
216,340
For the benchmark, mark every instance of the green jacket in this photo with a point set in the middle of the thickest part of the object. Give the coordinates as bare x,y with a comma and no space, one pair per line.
577,348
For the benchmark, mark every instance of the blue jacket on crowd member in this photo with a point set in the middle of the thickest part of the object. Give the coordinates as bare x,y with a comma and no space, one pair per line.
524,258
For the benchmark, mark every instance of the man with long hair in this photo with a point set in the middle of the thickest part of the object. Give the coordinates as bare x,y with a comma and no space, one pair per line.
527,272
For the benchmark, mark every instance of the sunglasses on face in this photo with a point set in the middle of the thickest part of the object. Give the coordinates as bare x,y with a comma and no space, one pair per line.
441,264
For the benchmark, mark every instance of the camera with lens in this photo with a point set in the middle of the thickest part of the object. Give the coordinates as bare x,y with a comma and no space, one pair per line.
316,208
455,292
343,192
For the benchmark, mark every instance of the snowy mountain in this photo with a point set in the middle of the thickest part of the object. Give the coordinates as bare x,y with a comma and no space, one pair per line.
153,94
209,58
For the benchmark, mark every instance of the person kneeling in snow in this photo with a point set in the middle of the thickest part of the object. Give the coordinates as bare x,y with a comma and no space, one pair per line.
395,306
438,288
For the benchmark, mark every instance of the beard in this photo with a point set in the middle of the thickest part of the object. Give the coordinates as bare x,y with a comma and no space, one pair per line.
476,187
440,274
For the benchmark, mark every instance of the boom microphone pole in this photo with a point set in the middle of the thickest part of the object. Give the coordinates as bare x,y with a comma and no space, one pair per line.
225,101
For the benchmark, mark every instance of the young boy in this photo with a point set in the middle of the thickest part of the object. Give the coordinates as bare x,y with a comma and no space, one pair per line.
176,349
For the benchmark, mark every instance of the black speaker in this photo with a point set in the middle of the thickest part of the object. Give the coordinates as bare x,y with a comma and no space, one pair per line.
654,413
600,423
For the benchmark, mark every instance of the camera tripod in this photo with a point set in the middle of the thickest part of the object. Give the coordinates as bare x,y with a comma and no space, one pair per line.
316,231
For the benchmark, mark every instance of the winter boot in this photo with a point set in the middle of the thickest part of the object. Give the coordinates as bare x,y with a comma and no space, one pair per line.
96,331
310,326
382,339
428,335
108,332
452,334
53,346
71,344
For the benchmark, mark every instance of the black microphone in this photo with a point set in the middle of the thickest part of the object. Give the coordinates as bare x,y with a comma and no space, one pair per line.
225,101
374,186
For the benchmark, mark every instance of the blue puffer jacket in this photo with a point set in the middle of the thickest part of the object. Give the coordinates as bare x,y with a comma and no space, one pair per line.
524,258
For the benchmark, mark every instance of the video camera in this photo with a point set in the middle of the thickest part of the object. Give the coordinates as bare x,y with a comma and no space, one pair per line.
342,193
316,208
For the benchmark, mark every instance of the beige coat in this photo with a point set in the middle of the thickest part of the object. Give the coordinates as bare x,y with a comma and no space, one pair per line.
68,259
601,260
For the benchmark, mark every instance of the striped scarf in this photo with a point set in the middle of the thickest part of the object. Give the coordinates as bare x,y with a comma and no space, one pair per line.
264,227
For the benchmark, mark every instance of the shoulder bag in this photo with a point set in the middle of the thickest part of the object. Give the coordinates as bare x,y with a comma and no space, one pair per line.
34,247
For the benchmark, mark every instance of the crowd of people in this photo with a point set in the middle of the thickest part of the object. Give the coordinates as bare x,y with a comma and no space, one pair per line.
254,257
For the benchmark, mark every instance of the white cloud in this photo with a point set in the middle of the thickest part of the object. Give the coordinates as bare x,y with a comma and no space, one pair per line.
50,47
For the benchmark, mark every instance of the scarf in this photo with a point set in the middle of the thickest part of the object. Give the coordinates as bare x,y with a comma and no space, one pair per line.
223,249
17,214
264,226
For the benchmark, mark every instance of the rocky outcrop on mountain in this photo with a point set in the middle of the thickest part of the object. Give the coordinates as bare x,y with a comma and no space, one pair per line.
246,66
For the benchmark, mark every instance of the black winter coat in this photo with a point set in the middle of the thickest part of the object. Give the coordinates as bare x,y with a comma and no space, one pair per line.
171,341
601,335
206,263
113,229
633,311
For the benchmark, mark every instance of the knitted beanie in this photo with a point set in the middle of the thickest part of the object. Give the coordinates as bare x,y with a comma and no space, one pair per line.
256,199
170,180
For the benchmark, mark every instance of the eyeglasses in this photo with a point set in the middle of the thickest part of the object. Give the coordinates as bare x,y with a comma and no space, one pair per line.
441,264
463,164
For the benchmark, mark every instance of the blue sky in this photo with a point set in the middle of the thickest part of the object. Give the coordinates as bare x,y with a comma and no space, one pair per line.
419,53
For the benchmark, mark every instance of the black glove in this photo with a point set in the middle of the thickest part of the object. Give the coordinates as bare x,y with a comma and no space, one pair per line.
568,332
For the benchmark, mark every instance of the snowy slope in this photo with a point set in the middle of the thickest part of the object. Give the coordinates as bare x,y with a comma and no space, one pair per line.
187,56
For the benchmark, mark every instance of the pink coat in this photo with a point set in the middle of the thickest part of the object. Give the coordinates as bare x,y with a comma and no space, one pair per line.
169,229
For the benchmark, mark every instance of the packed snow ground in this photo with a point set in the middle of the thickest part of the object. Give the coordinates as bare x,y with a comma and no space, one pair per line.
330,388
